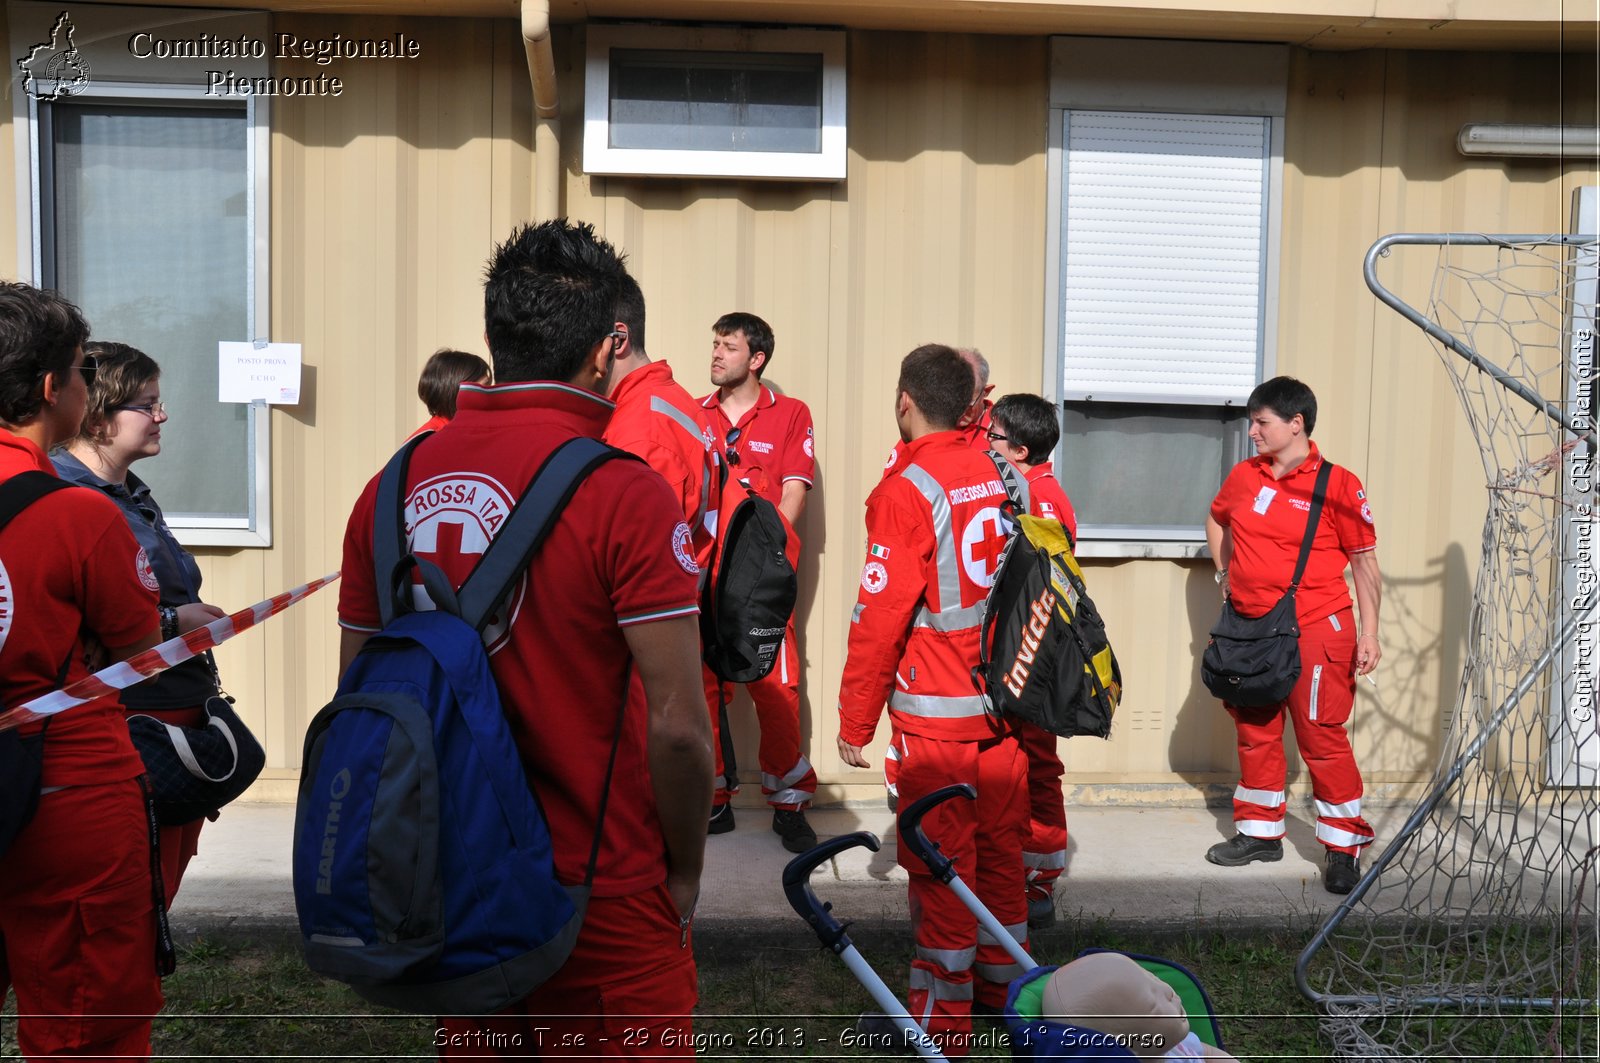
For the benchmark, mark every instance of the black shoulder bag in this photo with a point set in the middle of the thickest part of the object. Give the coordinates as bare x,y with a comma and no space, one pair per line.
1255,661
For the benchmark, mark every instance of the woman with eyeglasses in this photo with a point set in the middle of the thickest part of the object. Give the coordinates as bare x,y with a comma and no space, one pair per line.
123,424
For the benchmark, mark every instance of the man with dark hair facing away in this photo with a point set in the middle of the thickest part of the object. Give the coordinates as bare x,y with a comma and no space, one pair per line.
1024,431
606,597
768,443
974,420
659,421
446,370
78,906
935,533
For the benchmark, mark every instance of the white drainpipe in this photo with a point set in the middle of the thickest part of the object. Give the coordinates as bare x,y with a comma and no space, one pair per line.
546,124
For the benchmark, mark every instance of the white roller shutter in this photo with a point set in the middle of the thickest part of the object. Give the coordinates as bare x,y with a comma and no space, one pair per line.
1163,256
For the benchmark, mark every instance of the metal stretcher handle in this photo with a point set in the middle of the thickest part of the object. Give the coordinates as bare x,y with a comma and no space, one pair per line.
797,887
914,838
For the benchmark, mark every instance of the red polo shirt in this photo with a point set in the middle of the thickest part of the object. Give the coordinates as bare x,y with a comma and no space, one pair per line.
1268,520
68,563
615,557
658,420
775,444
1047,499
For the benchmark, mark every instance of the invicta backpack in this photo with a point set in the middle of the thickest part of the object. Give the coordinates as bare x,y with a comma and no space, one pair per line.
424,875
1043,652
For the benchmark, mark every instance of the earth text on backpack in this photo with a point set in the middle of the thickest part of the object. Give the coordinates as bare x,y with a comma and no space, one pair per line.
1044,656
749,594
423,868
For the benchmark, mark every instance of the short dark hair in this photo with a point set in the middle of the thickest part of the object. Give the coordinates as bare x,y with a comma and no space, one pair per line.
121,371
939,381
550,295
1028,421
40,333
1284,396
757,333
630,311
442,376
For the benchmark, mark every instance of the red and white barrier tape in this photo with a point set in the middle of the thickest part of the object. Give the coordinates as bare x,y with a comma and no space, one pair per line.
157,659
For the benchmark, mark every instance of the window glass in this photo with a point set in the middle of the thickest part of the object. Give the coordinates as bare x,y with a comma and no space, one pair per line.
147,227
714,101
1133,465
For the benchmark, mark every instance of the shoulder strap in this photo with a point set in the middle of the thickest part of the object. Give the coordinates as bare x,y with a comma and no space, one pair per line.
1015,489
23,490
389,545
1318,494
511,551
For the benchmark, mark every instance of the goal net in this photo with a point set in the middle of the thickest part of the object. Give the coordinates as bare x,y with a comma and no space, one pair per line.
1473,935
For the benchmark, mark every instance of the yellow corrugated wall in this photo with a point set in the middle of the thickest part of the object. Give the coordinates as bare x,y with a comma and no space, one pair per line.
387,201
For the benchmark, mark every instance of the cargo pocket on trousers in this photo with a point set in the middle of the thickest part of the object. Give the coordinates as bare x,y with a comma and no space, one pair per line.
116,952
1333,681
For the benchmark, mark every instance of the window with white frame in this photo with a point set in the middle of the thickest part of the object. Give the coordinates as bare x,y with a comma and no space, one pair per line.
1163,249
148,210
714,102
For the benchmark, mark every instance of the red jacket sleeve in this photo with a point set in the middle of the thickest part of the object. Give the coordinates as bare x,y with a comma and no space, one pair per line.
900,548
1352,513
358,593
119,602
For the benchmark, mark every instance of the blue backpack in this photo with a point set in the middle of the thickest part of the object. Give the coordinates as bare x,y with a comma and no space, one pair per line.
423,870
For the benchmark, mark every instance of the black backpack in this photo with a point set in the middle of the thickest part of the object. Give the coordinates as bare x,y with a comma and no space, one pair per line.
749,595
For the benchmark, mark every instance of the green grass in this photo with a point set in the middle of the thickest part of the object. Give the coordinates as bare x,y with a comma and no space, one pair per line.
766,995
773,994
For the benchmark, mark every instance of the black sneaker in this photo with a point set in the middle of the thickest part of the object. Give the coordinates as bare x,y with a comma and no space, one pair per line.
1242,849
880,1034
1041,912
791,826
721,821
1343,872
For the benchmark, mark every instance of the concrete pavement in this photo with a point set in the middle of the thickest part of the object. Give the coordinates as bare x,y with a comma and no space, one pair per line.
1125,865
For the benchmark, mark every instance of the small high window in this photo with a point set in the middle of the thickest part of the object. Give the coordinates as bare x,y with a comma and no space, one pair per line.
715,102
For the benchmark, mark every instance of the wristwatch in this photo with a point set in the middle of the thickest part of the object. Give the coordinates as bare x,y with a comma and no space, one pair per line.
1221,574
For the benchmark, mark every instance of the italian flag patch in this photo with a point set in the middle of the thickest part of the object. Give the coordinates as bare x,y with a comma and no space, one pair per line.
878,551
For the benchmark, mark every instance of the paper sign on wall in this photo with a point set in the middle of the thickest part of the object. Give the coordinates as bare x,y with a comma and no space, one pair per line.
269,373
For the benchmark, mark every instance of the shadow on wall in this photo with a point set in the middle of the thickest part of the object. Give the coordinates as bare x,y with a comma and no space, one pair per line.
1422,665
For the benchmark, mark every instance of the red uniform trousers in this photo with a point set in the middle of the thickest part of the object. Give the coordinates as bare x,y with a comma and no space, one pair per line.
1044,842
79,929
956,959
179,843
1319,705
627,991
787,778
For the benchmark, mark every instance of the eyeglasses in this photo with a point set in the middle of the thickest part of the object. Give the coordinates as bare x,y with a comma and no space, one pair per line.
993,436
616,336
88,368
151,410
733,441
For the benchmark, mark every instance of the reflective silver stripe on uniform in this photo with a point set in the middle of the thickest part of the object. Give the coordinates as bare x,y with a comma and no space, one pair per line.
1333,618
687,423
1333,836
1316,684
1259,828
935,707
1045,861
855,614
782,789
951,619
1002,973
1264,798
938,988
1018,932
953,960
943,537
1345,810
